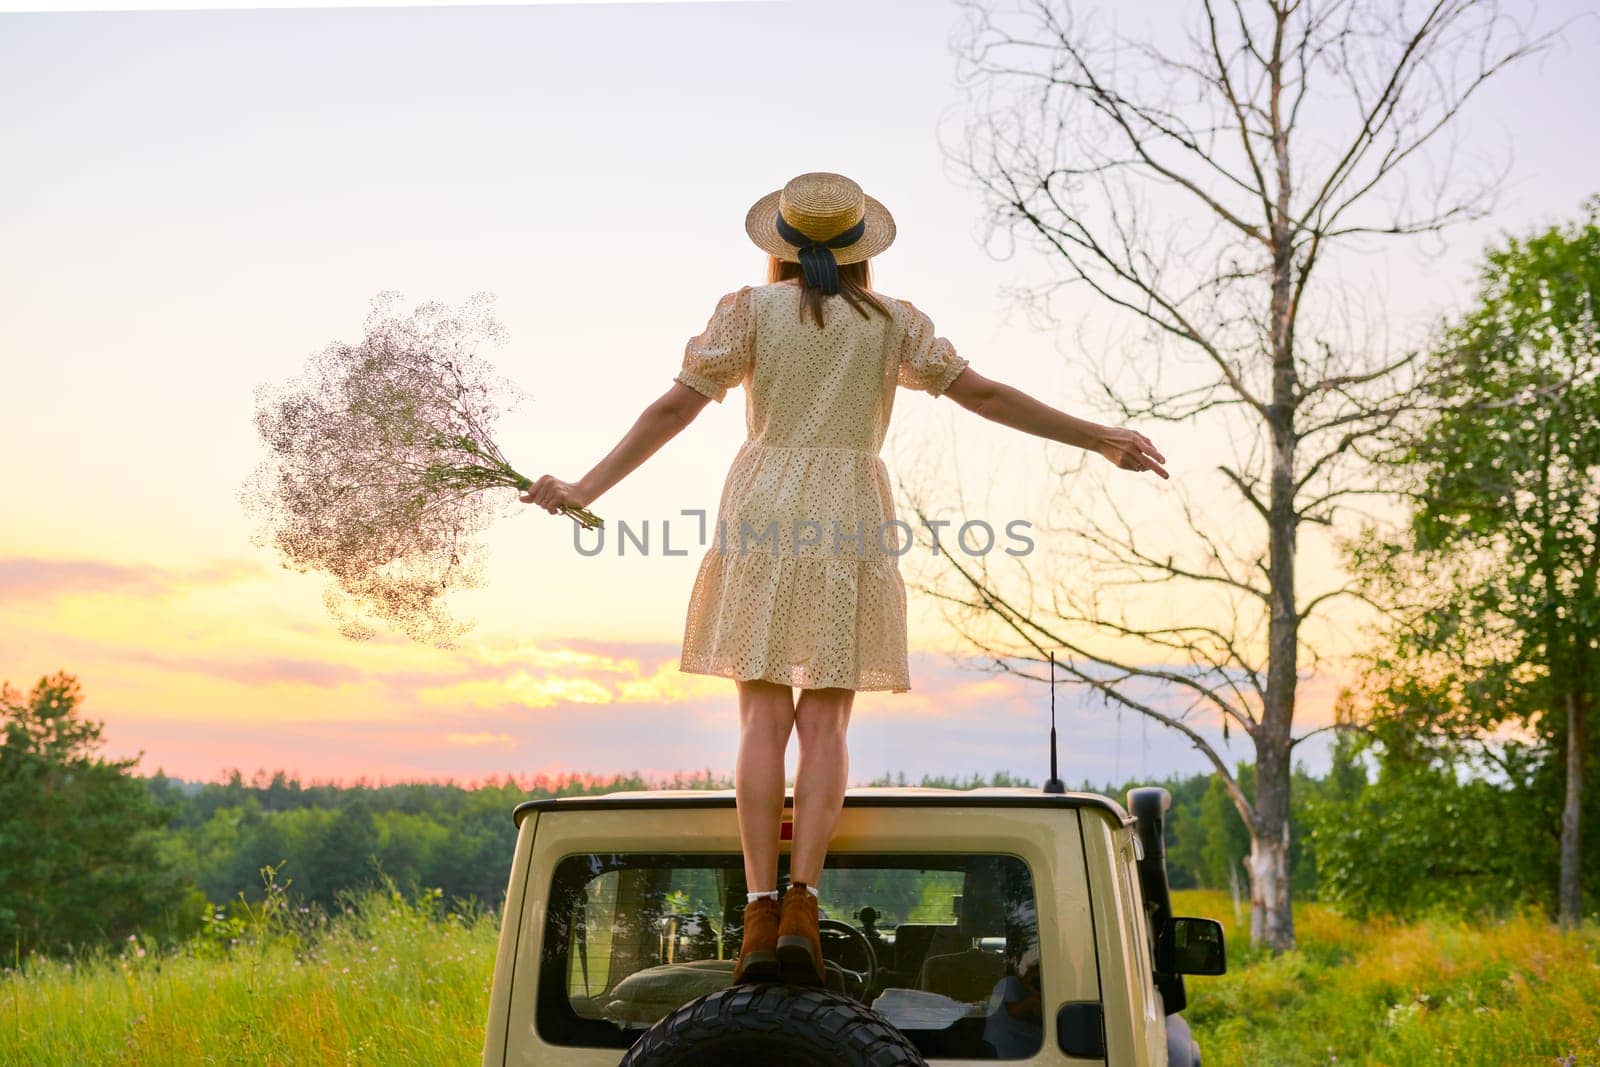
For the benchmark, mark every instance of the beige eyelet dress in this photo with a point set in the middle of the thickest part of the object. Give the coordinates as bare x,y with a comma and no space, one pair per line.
801,584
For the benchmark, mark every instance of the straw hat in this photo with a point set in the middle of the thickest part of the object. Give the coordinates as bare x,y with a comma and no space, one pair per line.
820,220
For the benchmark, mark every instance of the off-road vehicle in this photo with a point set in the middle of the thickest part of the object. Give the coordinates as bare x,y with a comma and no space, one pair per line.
958,925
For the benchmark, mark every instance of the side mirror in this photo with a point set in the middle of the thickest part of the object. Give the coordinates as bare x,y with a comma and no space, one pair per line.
1190,946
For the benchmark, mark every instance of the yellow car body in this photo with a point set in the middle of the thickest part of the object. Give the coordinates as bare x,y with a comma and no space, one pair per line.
1094,930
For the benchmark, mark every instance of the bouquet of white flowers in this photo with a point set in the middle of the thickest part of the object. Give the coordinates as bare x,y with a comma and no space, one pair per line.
380,466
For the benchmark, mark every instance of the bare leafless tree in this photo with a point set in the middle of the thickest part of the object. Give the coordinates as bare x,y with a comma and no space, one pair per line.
1202,187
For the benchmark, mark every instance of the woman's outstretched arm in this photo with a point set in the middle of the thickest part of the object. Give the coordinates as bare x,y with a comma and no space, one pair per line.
1011,407
659,423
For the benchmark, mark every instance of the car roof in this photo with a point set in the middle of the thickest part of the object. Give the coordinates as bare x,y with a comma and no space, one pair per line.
863,797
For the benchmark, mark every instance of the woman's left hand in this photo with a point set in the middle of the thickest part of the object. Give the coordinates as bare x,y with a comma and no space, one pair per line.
1130,450
552,494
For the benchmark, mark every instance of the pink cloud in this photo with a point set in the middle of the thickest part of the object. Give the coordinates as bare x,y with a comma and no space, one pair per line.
33,577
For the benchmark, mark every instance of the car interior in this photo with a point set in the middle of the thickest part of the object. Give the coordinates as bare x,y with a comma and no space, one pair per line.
641,940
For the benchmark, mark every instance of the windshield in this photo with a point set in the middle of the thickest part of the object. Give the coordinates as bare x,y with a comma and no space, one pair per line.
944,946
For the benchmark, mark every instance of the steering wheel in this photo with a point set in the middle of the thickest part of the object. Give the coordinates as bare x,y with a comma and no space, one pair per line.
861,945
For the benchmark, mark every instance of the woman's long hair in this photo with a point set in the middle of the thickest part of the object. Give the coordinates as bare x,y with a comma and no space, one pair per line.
855,285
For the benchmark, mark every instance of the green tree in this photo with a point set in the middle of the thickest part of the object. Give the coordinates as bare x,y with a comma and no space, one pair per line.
79,853
1492,583
1224,840
1425,838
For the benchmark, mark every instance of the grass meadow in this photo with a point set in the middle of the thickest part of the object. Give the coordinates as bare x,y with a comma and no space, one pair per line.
393,981
1495,993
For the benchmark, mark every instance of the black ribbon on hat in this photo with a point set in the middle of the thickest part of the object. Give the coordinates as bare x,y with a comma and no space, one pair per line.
816,257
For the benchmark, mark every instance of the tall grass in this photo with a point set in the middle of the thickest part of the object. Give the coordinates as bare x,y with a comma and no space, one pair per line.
1441,991
388,980
397,981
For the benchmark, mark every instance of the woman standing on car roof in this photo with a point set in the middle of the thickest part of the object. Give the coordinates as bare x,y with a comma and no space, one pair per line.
802,589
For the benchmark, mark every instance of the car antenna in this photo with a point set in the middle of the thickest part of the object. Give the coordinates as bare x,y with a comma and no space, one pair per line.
1054,784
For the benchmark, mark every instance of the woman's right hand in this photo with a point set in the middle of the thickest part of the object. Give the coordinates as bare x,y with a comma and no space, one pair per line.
1130,450
553,494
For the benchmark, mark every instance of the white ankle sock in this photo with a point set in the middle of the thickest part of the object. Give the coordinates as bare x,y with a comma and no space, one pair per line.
770,894
812,890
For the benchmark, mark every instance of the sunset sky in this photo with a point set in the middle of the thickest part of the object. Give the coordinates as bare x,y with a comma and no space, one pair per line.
194,202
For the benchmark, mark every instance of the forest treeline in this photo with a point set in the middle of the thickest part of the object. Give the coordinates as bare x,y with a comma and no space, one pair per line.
459,839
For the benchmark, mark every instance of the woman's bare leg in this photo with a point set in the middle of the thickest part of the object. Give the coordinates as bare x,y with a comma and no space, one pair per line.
821,717
766,717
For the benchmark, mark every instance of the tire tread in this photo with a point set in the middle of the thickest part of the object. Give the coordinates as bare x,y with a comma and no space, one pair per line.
835,1025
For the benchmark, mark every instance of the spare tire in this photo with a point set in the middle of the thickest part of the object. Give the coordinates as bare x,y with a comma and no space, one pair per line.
785,1026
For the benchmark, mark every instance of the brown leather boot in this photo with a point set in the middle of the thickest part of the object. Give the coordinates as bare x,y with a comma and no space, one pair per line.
758,955
799,944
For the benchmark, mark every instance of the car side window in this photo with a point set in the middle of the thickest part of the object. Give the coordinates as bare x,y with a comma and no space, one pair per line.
589,955
1147,955
1137,918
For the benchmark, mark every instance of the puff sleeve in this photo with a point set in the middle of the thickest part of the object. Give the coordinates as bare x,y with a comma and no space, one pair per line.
719,357
927,362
